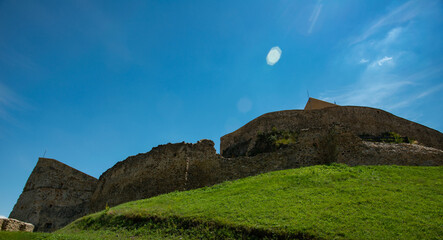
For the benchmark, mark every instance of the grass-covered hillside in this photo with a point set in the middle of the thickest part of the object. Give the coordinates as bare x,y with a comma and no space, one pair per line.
319,202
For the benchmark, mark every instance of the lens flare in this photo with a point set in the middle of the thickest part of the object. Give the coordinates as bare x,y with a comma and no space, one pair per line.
273,56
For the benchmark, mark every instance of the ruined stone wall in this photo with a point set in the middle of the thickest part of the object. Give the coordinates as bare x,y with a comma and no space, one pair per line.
374,153
185,166
325,146
57,194
356,120
14,225
164,169
54,195
340,146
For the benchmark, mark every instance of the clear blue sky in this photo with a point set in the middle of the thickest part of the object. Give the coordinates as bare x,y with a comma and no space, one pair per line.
93,82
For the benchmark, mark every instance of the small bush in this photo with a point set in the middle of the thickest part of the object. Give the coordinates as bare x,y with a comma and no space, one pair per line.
273,140
106,208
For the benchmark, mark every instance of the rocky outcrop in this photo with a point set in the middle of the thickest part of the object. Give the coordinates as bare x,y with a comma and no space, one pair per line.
164,169
355,120
54,195
14,225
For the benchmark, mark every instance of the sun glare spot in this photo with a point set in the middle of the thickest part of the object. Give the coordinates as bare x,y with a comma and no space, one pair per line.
273,56
244,105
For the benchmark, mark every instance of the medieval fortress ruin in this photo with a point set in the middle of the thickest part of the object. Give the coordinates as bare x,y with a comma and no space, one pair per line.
56,194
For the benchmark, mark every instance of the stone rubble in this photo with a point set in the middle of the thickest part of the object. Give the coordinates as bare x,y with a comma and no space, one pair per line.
14,225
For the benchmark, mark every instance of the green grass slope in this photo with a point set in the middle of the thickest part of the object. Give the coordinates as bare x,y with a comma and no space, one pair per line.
318,202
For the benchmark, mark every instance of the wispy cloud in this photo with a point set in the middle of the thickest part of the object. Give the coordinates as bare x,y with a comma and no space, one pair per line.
9,101
384,90
425,74
393,34
1,216
365,94
383,60
430,91
403,13
14,58
418,77
417,96
396,72
382,50
314,16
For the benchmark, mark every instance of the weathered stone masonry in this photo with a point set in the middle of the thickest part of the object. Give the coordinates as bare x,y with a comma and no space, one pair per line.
164,169
56,194
322,136
355,120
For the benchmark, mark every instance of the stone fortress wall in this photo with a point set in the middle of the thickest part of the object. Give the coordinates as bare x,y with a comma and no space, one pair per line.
355,120
318,136
166,168
54,195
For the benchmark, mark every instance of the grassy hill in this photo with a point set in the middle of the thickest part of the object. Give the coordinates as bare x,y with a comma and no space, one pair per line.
318,202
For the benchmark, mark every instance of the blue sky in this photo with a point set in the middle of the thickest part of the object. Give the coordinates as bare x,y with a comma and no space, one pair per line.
93,82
